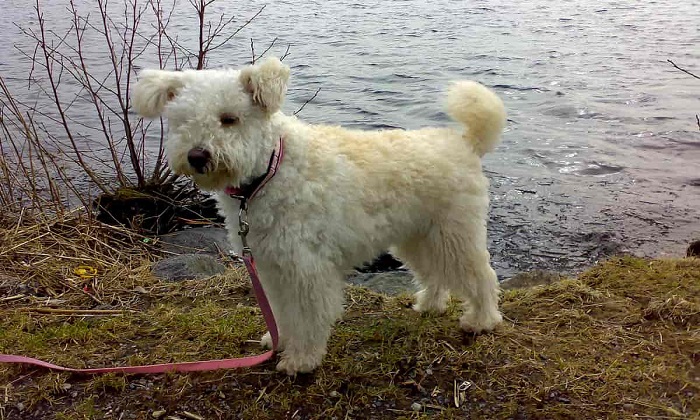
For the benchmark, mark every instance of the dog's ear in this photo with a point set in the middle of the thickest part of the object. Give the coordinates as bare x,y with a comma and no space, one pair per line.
267,83
154,89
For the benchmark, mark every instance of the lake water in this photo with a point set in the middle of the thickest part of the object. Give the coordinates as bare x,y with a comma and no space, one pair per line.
602,150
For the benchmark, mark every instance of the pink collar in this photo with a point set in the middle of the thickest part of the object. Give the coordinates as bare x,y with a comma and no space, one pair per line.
250,190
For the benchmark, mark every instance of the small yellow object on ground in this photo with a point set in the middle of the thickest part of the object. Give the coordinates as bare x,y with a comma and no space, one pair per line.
85,271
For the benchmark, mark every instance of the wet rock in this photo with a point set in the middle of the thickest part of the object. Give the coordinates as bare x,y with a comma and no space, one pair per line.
529,279
384,262
10,285
391,282
201,240
188,267
603,244
140,290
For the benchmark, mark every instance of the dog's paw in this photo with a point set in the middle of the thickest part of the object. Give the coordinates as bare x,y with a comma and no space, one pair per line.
293,363
427,301
266,341
478,322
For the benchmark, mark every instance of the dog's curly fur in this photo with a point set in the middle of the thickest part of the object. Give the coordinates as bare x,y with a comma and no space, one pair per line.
340,197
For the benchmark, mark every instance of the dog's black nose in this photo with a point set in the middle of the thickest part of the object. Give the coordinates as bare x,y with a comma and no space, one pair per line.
198,158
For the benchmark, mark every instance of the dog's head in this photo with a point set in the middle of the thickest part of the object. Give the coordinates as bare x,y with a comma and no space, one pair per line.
220,128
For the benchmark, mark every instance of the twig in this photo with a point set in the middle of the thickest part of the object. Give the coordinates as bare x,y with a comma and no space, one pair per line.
79,311
6,251
286,52
307,101
240,28
264,52
11,298
683,70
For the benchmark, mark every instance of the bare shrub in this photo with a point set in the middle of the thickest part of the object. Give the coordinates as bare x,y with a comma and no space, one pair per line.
79,137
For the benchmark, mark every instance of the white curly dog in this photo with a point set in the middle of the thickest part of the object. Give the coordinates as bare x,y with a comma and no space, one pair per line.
340,196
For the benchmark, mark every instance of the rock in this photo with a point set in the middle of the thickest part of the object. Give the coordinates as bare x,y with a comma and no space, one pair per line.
694,249
158,414
199,240
390,283
384,262
188,267
333,394
416,407
10,285
20,406
529,279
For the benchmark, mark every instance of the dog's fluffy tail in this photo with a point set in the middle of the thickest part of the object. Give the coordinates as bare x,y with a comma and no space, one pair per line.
481,112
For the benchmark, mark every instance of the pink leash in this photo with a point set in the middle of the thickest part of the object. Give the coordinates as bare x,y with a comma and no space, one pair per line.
241,362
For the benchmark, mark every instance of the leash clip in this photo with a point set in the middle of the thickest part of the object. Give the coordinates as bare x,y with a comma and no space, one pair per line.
244,227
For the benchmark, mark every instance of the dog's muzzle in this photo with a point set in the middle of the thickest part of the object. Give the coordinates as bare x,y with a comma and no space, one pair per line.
199,158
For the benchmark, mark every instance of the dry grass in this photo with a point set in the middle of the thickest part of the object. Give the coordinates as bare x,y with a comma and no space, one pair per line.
71,261
619,341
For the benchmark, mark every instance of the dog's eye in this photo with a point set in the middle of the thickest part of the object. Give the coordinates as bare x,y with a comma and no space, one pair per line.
228,120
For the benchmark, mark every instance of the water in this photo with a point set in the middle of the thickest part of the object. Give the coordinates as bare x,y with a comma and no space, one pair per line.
602,150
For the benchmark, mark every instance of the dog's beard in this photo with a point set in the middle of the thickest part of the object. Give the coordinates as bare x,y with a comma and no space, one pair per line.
214,180
212,177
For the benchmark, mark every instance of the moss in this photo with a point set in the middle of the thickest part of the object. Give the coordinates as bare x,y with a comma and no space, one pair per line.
620,340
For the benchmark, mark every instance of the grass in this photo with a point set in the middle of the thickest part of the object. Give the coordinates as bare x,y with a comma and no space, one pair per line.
622,340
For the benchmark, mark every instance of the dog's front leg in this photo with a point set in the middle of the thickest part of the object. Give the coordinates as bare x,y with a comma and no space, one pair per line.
306,304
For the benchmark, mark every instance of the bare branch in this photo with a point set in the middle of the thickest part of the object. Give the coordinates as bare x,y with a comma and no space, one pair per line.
57,101
683,70
240,28
286,53
264,52
307,101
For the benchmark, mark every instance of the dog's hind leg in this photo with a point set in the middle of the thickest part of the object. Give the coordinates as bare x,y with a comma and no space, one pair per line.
452,257
468,271
434,295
